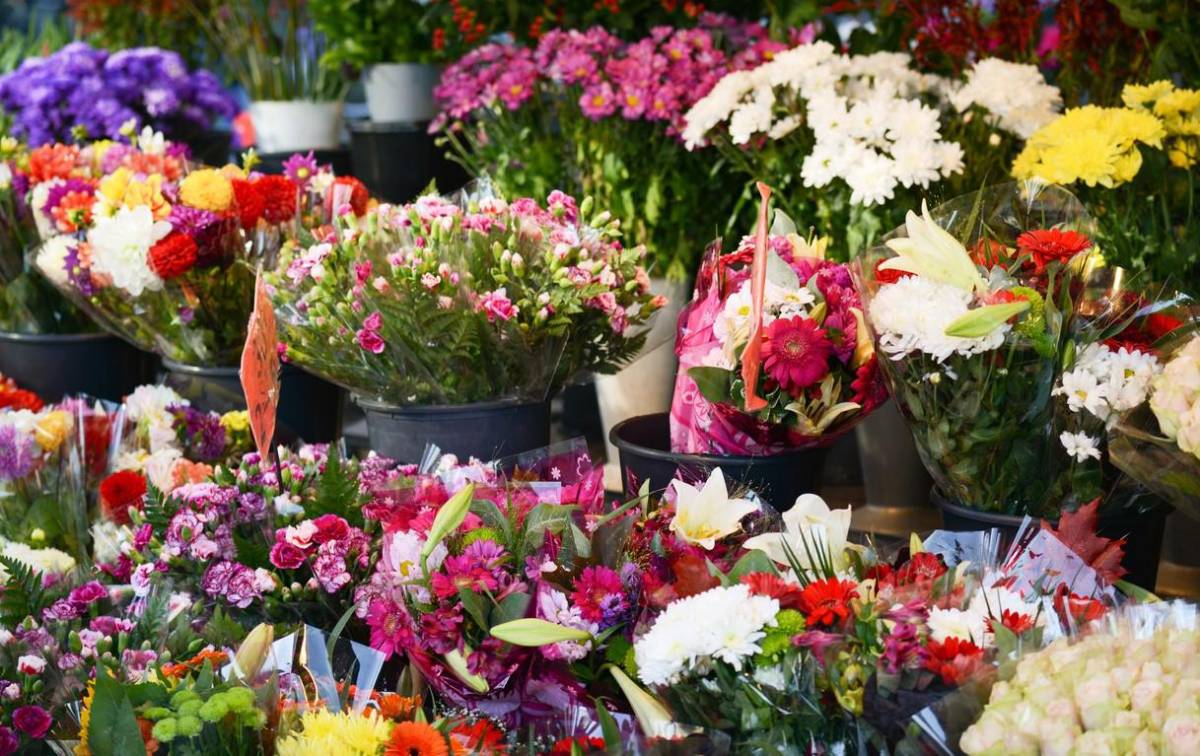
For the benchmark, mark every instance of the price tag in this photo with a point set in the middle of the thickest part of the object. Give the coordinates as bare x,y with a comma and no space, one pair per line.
260,369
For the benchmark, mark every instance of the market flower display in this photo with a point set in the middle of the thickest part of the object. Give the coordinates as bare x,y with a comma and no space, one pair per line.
438,302
100,93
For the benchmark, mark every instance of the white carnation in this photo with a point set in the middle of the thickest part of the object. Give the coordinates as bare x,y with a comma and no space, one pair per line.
51,258
912,314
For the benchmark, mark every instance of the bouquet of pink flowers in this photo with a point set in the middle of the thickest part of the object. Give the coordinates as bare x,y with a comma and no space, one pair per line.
773,351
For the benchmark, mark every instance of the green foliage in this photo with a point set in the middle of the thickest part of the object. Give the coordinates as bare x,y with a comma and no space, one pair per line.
112,725
23,594
222,630
362,32
337,488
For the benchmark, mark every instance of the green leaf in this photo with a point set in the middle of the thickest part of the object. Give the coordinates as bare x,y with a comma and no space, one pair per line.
448,518
545,517
511,607
532,632
23,594
337,490
475,606
713,382
751,562
609,730
112,726
983,320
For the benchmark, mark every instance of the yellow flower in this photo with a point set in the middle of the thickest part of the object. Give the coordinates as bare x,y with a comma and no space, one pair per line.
236,421
231,171
113,187
1091,145
85,718
326,733
207,189
1135,95
52,429
1184,152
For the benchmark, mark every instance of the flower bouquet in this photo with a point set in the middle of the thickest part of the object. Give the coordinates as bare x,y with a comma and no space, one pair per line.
973,367
159,253
444,303
773,351
869,134
1135,169
591,114
81,92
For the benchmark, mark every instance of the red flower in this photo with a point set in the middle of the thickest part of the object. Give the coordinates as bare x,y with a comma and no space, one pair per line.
990,253
359,196
826,602
1015,621
888,276
482,738
953,660
566,746
796,353
1049,244
285,556
1159,325
692,576
119,492
1081,609
766,584
330,527
920,568
173,256
12,397
250,202
280,197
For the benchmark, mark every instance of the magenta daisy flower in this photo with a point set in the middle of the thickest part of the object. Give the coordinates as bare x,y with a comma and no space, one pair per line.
796,353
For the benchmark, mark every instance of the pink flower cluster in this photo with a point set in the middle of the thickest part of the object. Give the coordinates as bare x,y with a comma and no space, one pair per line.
329,543
656,78
236,584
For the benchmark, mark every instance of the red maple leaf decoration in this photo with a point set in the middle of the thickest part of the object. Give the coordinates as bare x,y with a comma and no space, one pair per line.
1078,531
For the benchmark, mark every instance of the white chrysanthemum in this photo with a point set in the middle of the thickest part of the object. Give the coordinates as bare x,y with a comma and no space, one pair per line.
150,402
121,246
872,179
957,623
722,624
1080,446
52,256
1015,94
37,206
912,314
1106,382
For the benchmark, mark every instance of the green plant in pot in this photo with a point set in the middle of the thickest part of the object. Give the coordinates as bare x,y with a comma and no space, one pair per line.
388,42
273,51
457,322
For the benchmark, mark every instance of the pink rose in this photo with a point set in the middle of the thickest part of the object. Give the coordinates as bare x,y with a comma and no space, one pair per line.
285,556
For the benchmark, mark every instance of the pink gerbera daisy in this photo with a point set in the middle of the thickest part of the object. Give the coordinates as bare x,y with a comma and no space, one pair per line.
796,353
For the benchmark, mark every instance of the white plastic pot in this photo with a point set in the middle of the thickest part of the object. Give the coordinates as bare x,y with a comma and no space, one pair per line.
646,386
296,125
401,92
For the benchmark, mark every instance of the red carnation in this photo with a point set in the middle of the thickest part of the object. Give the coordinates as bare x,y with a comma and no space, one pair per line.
953,660
359,196
888,276
330,527
1049,244
827,602
766,584
173,256
119,492
280,196
250,202
19,399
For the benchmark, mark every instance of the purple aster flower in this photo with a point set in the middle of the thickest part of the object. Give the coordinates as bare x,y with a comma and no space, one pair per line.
79,276
206,228
301,168
18,453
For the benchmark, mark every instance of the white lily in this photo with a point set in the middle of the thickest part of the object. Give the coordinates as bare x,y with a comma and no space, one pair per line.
704,515
808,528
932,252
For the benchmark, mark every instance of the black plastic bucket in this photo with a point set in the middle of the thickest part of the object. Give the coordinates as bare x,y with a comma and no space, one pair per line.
1142,531
484,430
645,448
53,366
397,161
310,409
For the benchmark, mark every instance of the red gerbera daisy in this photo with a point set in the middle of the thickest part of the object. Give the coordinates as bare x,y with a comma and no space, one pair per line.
119,492
173,256
1049,244
827,602
766,584
953,660
796,353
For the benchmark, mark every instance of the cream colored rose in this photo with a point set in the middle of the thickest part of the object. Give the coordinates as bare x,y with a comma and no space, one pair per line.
1181,735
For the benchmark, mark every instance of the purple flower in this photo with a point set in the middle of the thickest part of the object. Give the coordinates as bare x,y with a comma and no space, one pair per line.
88,594
135,662
34,721
79,276
18,453
61,611
301,168
202,434
207,229
111,626
236,583
902,648
9,742
598,101
441,629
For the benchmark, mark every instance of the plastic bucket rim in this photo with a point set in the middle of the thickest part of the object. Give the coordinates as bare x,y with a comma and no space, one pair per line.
708,460
52,339
383,407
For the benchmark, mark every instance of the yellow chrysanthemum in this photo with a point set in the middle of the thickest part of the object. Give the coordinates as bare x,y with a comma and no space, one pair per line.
1091,145
52,430
324,733
207,189
236,421
1137,95
1184,153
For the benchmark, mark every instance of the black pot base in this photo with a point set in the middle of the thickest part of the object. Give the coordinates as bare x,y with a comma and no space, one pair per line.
485,431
